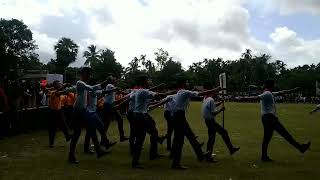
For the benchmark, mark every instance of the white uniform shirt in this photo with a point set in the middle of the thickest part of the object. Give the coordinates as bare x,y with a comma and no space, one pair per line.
208,108
182,99
109,98
170,104
81,89
142,100
267,102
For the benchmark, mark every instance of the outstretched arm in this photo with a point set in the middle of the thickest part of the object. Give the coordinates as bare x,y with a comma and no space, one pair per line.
156,87
289,91
219,103
161,95
219,111
159,103
212,91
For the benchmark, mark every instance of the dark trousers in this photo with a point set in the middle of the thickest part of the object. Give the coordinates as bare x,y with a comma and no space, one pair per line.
81,117
68,112
181,128
270,124
143,124
110,112
130,117
169,118
213,129
56,120
98,124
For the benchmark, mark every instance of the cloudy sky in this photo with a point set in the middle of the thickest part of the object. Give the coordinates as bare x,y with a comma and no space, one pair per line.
189,30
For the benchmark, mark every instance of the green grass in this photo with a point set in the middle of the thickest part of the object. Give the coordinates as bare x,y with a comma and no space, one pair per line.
28,157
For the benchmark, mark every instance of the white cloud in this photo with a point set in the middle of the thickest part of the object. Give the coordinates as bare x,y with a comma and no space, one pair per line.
189,29
294,50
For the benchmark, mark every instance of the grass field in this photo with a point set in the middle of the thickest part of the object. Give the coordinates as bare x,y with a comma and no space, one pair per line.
28,157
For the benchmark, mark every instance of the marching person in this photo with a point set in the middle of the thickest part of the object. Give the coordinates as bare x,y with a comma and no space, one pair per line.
81,115
210,110
181,126
271,122
94,117
110,111
143,123
57,118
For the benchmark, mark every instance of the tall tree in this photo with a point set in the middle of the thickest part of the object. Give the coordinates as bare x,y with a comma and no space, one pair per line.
17,47
66,52
162,56
91,55
106,64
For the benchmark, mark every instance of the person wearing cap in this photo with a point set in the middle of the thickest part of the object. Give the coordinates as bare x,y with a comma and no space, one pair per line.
82,116
109,110
181,126
271,122
210,110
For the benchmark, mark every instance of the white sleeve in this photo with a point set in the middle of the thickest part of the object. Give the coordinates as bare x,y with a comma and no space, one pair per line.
275,93
263,95
82,85
151,94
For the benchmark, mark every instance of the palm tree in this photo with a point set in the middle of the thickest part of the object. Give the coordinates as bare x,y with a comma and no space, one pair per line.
91,55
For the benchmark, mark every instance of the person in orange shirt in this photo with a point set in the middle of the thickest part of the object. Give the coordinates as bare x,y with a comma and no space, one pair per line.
56,118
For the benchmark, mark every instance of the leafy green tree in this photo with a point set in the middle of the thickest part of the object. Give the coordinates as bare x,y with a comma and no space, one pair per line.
162,57
66,53
91,55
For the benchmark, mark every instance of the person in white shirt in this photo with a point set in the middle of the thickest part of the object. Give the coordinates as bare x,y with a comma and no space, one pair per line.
316,109
209,111
109,110
271,122
94,117
181,126
81,115
143,122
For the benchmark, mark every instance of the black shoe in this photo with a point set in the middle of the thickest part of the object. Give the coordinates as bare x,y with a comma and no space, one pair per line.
137,166
123,139
211,160
266,159
156,157
203,156
108,145
179,167
234,150
73,160
102,153
68,137
305,147
88,151
50,146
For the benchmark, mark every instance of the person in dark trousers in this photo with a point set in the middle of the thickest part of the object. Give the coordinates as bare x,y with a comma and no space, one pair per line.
271,122
82,116
181,126
110,111
57,118
94,117
169,104
209,111
143,123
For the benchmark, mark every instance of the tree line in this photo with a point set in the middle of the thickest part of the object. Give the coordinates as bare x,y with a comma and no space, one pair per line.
17,51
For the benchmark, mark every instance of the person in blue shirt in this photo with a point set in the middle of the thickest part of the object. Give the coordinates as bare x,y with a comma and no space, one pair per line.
271,122
210,110
143,122
94,117
181,126
109,110
81,115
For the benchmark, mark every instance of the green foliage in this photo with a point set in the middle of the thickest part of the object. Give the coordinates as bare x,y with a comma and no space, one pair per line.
16,47
66,53
92,55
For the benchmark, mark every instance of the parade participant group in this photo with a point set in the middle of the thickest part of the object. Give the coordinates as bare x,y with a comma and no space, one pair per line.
80,107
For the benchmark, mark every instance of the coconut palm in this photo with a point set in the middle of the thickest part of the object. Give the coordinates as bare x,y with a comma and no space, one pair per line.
91,55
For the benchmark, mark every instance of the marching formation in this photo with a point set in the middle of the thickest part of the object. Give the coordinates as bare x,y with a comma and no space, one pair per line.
74,108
